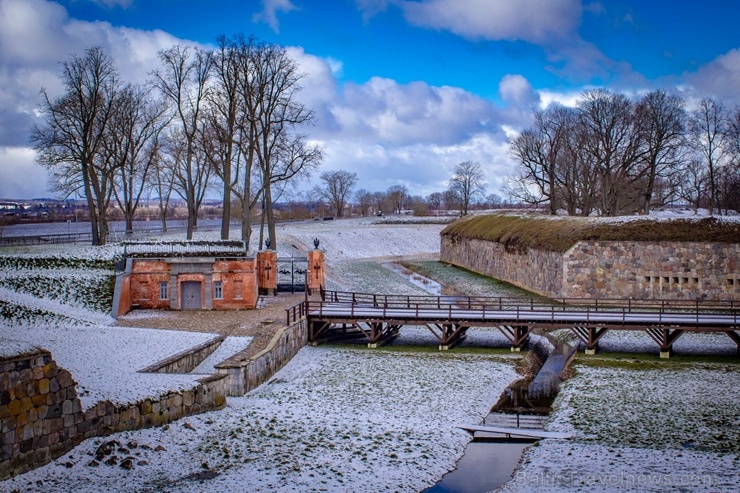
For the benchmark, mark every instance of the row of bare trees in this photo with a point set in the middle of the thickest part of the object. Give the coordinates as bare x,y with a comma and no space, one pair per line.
466,188
610,155
231,113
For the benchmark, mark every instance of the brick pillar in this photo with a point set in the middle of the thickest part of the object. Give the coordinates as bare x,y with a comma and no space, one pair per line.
316,275
267,271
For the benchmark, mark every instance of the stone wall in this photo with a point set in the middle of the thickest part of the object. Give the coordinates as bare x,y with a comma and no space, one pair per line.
609,269
537,271
188,360
245,375
669,270
41,417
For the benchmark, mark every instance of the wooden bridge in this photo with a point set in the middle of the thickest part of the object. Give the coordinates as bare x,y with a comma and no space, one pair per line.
379,318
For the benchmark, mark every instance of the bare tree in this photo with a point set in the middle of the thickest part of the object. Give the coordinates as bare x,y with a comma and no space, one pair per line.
541,152
161,180
613,142
132,143
467,184
183,80
398,195
708,126
282,152
364,200
225,115
435,200
75,124
662,120
338,186
381,203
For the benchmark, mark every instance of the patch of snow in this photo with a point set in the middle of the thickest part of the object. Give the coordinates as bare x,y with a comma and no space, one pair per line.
105,361
229,347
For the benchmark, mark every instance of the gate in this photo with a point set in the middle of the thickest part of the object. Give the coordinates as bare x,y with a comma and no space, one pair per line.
190,296
291,276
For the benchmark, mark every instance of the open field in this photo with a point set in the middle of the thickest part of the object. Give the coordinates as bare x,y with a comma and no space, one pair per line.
351,419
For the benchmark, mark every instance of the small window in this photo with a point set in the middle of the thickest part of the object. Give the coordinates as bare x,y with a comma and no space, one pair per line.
647,279
238,290
686,281
218,290
666,280
730,282
164,290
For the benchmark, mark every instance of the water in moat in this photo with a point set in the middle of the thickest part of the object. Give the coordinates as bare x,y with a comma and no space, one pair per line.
489,461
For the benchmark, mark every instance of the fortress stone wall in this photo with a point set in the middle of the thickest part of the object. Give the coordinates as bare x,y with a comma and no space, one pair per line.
608,269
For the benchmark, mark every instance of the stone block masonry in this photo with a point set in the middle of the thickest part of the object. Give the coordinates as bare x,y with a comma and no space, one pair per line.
41,417
608,269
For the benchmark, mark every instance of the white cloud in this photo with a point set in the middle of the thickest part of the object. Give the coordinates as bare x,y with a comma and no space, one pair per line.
35,36
536,21
21,176
719,78
270,11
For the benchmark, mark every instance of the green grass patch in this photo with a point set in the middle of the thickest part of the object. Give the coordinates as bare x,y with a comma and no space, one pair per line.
521,232
645,361
464,281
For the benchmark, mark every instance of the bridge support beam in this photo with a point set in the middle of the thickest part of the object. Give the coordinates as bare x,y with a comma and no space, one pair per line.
379,334
518,335
448,335
735,338
589,336
665,337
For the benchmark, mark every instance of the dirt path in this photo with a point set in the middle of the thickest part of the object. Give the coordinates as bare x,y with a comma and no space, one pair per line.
261,323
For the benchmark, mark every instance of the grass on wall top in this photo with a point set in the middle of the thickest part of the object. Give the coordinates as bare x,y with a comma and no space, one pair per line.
519,233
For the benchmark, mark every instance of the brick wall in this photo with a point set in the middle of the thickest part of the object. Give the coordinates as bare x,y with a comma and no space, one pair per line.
239,284
41,417
604,269
316,275
267,271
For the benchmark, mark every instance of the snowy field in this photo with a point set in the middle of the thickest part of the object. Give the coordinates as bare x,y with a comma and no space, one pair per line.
330,420
358,420
669,427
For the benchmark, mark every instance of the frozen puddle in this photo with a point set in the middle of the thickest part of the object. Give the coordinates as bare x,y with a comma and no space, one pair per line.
228,348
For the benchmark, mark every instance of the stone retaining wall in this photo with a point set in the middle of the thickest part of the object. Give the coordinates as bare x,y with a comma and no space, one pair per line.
608,269
186,361
538,271
41,417
245,375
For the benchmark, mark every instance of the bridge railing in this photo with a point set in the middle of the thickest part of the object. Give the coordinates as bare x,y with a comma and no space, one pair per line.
522,313
533,303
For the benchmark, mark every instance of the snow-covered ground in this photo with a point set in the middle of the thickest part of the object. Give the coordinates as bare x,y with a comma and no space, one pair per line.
104,361
331,420
360,420
637,427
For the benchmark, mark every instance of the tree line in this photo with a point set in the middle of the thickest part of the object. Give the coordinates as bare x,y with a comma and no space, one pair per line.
466,189
611,155
229,116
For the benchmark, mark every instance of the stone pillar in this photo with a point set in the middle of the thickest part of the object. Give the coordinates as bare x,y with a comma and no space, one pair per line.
267,271
316,275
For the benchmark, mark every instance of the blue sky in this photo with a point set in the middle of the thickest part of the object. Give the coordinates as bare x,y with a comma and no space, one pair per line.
403,90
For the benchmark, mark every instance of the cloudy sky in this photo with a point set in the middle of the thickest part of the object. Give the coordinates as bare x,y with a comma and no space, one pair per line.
403,90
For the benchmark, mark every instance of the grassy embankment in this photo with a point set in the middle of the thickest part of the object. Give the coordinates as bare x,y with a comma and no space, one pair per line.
520,233
54,279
